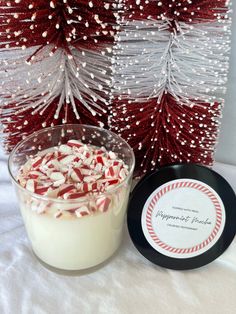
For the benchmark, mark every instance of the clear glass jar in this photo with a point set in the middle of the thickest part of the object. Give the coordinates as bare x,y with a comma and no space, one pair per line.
70,242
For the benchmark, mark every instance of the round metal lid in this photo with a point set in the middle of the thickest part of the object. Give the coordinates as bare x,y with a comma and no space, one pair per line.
182,216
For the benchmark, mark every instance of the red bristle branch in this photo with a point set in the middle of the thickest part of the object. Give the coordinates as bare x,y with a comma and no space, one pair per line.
83,24
167,132
25,123
193,11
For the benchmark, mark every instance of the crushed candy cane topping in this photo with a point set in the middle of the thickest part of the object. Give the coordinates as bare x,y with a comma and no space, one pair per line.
73,171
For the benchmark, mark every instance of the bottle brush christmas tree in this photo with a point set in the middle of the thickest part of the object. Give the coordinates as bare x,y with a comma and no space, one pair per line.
152,71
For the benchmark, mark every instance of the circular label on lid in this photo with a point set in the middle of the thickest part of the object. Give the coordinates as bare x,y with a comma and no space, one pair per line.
183,218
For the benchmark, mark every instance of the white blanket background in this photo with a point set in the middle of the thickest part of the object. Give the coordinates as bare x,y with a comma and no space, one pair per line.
128,284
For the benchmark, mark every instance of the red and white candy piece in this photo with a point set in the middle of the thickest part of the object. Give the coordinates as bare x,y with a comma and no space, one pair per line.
35,174
75,195
75,143
47,158
100,160
66,188
92,178
55,164
77,175
36,162
30,185
58,178
112,172
66,159
85,170
112,155
65,149
41,190
82,211
103,203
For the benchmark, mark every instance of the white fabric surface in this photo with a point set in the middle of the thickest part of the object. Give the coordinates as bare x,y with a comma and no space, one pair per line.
127,284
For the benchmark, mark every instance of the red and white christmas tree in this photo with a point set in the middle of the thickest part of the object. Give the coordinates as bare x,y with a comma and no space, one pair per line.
152,71
170,68
55,63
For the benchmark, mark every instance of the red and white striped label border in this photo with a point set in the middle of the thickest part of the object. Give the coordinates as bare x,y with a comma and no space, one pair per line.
177,185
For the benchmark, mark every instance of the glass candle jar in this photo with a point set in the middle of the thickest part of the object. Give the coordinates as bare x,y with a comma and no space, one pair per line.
58,238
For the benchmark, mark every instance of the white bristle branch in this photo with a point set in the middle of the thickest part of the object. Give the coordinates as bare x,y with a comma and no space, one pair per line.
190,62
83,75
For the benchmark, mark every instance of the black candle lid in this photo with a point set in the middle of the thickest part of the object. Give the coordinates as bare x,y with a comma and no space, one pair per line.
182,216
